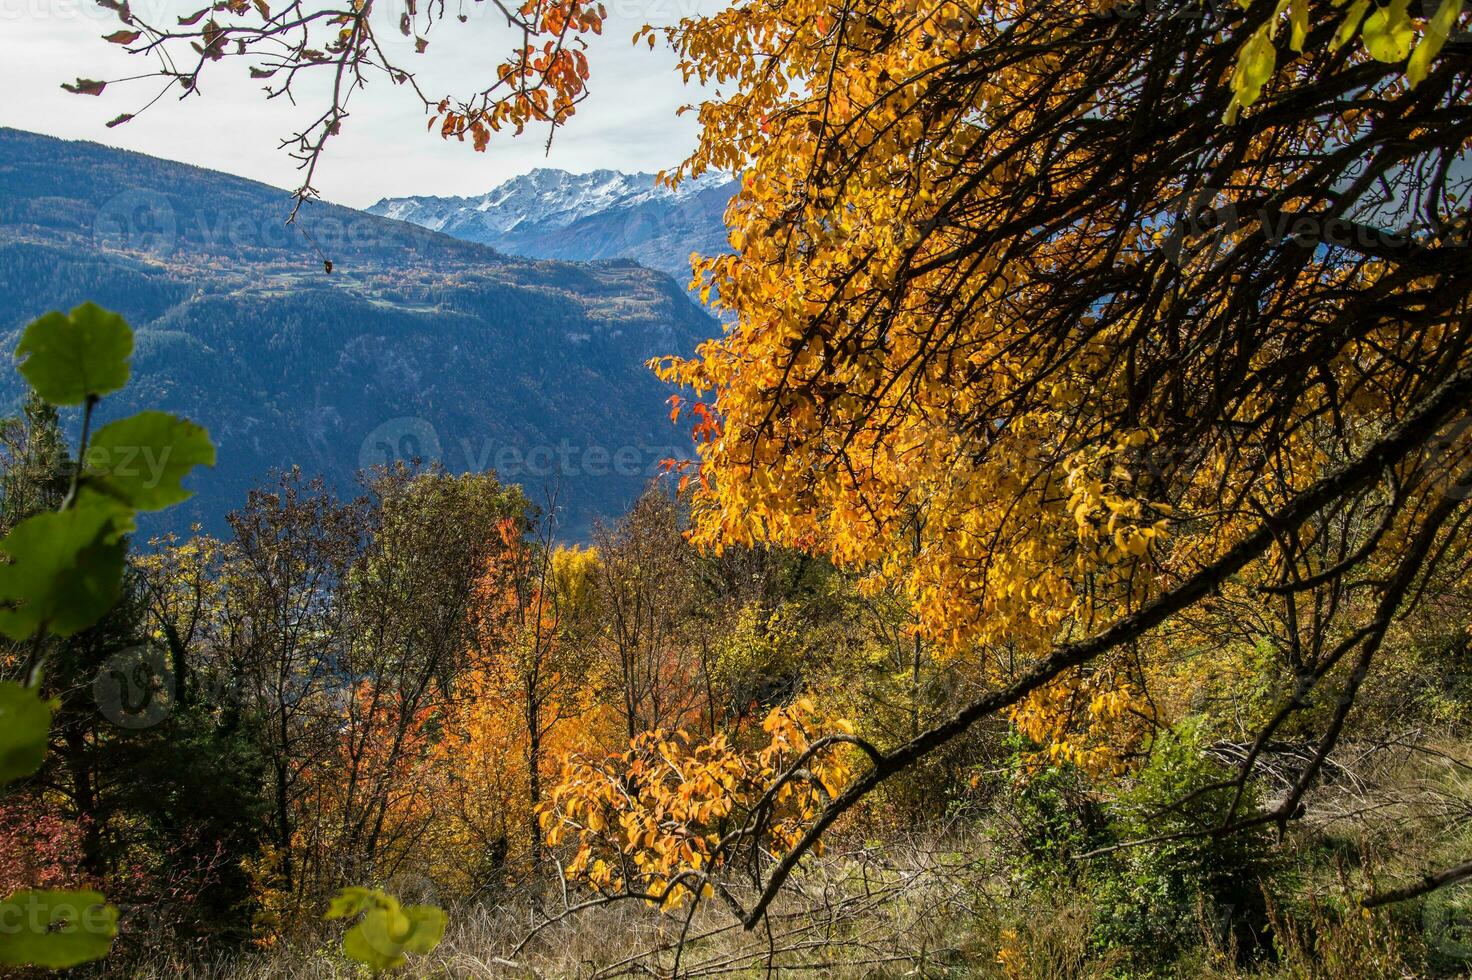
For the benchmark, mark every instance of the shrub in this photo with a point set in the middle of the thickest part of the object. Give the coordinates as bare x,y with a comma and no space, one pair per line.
1153,896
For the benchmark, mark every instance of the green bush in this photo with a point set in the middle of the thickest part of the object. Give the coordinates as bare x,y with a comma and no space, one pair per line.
1159,895
1051,815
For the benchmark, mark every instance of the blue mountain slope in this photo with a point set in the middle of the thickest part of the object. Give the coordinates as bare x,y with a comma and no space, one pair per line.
415,344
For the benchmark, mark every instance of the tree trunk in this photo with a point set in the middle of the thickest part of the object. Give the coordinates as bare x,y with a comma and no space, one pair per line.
534,776
84,797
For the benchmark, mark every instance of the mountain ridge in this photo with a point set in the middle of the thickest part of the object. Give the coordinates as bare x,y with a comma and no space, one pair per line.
600,214
414,341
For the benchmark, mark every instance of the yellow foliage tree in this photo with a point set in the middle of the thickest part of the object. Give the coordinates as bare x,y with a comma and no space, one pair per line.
1024,331
664,819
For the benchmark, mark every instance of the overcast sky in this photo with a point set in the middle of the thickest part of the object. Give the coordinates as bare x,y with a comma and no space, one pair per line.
628,123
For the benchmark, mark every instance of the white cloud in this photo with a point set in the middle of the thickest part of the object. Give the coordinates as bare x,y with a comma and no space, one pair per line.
627,123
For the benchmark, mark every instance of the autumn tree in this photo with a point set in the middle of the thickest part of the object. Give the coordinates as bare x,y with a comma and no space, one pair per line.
1127,312
524,673
671,818
768,622
410,595
645,586
528,601
181,581
284,623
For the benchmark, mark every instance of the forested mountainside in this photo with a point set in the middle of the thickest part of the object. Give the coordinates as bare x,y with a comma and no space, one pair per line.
603,214
415,343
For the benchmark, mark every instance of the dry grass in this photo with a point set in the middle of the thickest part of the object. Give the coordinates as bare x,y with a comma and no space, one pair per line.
943,904
910,908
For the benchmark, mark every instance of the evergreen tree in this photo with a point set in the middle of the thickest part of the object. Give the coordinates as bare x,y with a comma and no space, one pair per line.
35,467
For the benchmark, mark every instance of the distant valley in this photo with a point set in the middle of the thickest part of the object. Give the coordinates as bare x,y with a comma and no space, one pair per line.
416,343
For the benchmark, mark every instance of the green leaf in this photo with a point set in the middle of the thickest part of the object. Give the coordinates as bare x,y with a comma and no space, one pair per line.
357,945
1298,20
427,927
25,723
349,901
1255,64
1350,25
381,932
65,568
71,357
1438,29
1387,32
55,929
387,930
141,460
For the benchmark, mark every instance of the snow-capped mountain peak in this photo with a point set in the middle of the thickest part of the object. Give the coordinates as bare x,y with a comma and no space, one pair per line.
549,198
602,214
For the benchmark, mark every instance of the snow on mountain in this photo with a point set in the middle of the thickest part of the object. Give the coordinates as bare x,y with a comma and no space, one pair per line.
603,214
546,197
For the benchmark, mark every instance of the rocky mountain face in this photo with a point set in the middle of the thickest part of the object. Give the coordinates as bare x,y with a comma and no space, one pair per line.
415,344
604,214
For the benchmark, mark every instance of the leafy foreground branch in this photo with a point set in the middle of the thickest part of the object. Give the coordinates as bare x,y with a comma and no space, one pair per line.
1110,343
338,50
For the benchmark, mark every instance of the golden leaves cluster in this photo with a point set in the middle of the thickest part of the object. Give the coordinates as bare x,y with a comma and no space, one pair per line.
543,80
1389,32
898,386
837,439
660,820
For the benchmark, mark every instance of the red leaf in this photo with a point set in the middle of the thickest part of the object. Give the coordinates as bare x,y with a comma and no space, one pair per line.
85,86
123,37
